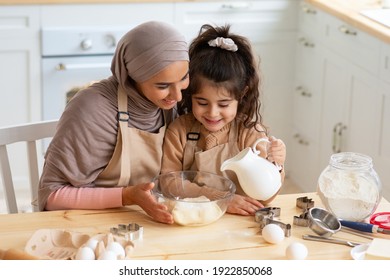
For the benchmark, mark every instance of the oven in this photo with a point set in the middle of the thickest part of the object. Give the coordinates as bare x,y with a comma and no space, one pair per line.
72,58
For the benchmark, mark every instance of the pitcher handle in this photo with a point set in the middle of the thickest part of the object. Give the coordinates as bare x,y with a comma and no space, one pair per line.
258,152
257,142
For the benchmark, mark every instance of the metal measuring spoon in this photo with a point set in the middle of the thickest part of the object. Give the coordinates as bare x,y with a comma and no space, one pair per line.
330,240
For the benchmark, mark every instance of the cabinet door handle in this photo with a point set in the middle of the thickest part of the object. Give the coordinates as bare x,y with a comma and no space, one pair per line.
302,92
307,10
335,147
341,136
235,6
306,43
64,67
305,93
347,31
338,137
301,140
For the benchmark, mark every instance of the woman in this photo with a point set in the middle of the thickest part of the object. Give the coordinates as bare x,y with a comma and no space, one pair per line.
108,144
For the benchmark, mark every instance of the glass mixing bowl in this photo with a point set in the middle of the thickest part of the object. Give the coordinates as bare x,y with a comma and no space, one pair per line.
194,198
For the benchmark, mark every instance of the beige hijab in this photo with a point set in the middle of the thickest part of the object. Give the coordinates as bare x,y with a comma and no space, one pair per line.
142,53
87,130
146,50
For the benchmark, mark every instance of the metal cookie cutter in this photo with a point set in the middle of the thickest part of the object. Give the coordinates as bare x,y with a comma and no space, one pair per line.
270,212
302,220
264,216
304,203
130,232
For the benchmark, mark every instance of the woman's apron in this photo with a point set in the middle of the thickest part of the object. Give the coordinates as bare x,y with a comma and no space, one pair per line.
137,154
211,160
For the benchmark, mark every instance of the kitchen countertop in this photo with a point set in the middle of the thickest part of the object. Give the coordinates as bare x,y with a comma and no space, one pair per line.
346,10
240,234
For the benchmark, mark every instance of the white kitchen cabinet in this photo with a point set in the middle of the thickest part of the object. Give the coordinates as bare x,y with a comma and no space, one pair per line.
303,153
105,15
271,27
347,72
356,46
20,64
382,151
364,86
352,101
304,148
385,63
19,76
334,107
248,18
351,109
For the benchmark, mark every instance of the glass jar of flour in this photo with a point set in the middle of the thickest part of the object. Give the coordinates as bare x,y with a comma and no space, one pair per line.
349,187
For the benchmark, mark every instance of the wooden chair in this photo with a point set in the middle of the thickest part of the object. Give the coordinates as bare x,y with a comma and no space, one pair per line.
29,133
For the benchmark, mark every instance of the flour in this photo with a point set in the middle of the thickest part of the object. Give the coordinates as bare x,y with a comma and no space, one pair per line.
194,211
348,195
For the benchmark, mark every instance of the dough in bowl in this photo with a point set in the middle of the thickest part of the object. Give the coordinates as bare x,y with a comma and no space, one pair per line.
194,211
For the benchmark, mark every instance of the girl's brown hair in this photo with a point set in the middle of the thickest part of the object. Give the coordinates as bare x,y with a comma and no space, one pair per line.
236,71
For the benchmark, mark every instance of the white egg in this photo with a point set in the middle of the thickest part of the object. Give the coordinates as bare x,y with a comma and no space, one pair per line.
117,248
85,253
296,251
273,233
108,255
92,243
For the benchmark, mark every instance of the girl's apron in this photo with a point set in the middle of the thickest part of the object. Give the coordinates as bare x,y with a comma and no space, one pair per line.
211,160
137,154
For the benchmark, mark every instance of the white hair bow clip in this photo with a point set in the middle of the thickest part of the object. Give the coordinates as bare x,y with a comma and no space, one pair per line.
223,43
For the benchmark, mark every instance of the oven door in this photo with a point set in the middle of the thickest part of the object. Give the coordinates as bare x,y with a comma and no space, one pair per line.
63,76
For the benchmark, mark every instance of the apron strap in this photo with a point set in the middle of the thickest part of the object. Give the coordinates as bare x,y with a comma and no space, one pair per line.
190,147
123,118
194,134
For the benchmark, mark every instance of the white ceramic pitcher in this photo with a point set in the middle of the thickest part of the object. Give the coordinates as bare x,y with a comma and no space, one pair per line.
259,178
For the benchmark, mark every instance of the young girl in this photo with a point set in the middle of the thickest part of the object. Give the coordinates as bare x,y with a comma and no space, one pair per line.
223,104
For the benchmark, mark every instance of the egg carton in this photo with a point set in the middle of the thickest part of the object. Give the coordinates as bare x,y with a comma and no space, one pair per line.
59,244
55,244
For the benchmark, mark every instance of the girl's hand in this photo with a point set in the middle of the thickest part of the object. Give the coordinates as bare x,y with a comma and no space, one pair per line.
276,151
243,205
141,195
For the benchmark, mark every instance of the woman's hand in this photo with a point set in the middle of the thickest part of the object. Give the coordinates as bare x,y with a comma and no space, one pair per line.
243,205
276,151
141,195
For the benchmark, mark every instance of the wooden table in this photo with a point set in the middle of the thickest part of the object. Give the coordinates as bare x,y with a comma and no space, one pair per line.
232,237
